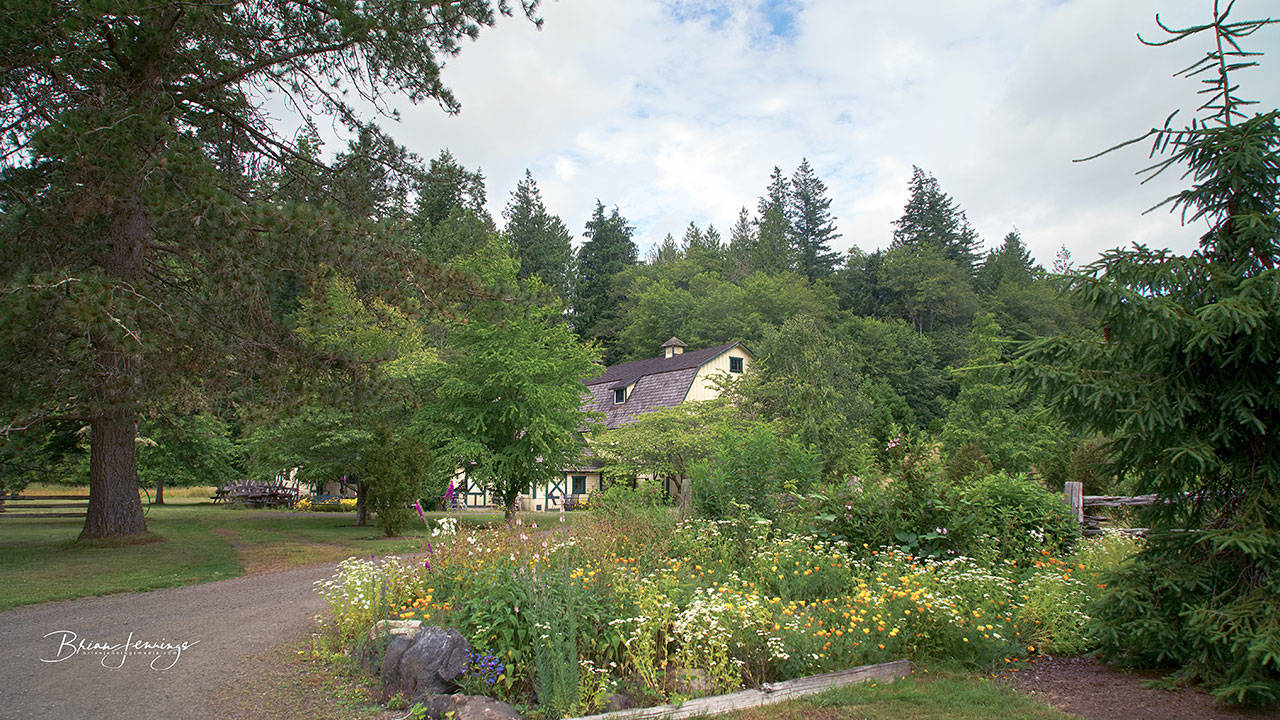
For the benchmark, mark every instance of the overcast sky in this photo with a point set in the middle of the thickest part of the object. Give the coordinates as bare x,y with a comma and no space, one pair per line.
677,110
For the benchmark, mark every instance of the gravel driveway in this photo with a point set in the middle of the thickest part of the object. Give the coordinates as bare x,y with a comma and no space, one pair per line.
219,622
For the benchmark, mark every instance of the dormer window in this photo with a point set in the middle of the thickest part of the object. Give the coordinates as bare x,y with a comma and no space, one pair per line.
619,396
735,364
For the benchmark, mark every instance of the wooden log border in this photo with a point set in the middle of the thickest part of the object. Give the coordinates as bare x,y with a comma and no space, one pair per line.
767,694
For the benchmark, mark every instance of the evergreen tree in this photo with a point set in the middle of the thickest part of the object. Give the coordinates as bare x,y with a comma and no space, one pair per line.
861,286
1009,263
597,301
742,245
693,238
449,187
932,217
541,240
1182,377
771,252
667,251
812,226
139,242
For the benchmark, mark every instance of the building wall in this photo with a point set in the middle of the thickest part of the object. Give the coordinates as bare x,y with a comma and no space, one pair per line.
702,387
550,495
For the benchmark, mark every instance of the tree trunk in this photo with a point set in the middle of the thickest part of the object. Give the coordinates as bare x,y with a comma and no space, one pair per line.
159,492
362,504
115,510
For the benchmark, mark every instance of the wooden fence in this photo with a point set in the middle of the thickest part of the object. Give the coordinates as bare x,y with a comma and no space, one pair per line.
1092,524
17,506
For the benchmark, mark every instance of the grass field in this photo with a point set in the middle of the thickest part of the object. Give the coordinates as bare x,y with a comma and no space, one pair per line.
920,697
195,541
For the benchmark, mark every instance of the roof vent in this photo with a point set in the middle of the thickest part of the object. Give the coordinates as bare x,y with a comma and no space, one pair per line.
673,347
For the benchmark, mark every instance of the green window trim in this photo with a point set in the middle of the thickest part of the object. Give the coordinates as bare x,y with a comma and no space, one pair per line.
735,364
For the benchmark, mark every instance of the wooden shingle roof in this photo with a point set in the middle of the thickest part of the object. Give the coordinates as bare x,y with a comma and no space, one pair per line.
658,382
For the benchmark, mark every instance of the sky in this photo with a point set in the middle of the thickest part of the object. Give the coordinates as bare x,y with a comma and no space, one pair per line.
677,111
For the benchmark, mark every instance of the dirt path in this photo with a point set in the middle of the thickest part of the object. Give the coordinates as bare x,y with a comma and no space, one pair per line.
1092,690
222,623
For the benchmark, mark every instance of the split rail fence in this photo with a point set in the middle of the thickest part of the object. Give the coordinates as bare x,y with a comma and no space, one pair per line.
1092,524
18,506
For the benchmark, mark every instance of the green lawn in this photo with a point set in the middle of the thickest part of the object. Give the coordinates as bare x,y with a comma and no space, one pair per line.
919,697
40,560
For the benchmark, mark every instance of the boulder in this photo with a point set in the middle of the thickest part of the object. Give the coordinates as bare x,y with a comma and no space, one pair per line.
618,701
467,707
373,650
424,664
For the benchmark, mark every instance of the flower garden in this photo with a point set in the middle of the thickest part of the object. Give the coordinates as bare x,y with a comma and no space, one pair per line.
560,621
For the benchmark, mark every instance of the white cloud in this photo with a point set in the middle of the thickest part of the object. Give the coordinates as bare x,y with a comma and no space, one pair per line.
677,111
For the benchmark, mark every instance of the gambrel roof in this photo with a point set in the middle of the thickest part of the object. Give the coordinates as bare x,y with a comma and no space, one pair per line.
655,383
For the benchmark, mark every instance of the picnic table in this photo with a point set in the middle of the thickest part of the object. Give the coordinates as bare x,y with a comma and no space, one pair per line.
257,494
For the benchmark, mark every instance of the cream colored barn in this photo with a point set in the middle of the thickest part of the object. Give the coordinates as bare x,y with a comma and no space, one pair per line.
621,393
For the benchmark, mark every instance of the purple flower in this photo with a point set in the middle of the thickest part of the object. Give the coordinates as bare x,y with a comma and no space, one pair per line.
426,564
419,509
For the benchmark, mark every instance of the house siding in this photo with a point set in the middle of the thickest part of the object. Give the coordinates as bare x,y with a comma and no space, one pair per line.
702,387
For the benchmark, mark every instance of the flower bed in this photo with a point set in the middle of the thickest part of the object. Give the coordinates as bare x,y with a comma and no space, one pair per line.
307,504
706,607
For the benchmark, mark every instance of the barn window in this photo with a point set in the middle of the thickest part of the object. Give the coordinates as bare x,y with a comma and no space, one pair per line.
619,396
735,364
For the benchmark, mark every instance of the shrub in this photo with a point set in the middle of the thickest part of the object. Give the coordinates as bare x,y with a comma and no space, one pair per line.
623,502
747,471
968,463
1012,518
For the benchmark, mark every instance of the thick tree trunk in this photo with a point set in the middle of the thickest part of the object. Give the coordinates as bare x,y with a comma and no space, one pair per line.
115,510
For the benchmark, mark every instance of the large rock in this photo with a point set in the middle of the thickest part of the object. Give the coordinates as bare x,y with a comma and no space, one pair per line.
372,652
467,707
426,663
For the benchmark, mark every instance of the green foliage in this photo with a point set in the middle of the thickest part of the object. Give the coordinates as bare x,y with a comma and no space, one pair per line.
351,418
802,378
933,219
193,450
665,442
623,502
597,296
966,464
1012,518
540,239
394,475
772,252
812,225
154,220
1182,380
703,308
748,471
508,406
991,412
554,616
